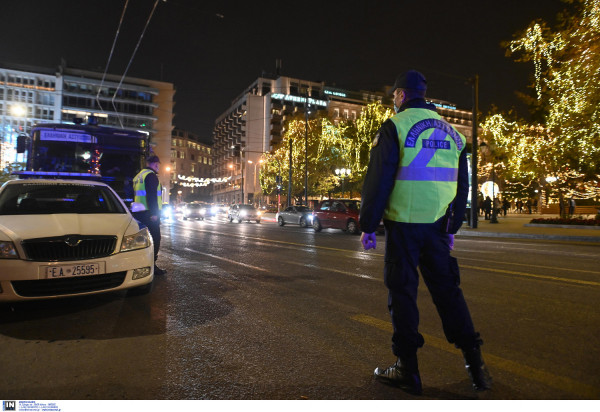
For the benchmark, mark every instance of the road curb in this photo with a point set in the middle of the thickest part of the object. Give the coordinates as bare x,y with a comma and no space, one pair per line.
593,239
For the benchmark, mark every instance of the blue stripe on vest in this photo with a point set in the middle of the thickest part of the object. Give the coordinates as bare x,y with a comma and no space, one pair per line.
432,174
140,193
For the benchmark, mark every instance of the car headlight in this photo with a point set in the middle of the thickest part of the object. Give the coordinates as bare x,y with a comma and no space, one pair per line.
243,213
259,213
140,240
8,251
203,211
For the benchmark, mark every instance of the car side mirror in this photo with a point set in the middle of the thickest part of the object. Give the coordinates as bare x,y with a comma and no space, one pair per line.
137,207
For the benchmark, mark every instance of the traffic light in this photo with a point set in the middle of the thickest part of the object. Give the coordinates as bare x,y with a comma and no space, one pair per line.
21,143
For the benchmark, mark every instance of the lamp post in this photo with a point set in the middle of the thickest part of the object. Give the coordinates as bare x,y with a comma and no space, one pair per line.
306,113
474,160
343,174
230,166
260,162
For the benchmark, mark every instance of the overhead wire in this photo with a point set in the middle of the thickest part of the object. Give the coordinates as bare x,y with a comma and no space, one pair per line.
110,55
130,60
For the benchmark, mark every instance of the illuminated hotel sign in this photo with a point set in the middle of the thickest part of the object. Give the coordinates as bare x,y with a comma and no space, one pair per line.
191,181
298,99
64,136
339,94
444,106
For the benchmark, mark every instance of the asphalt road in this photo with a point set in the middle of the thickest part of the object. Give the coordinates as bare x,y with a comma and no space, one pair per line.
258,311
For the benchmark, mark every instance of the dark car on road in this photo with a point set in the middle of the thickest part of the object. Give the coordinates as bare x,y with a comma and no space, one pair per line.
337,214
296,215
243,212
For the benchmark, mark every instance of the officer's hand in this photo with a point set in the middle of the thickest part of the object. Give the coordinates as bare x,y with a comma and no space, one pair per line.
451,241
154,218
369,240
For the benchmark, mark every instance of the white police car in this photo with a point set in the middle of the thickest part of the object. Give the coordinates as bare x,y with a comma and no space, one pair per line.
63,238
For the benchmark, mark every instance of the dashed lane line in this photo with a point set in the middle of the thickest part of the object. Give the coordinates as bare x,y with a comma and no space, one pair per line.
480,268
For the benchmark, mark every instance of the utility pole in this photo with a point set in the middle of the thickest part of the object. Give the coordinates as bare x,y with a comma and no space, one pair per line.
474,151
306,106
289,195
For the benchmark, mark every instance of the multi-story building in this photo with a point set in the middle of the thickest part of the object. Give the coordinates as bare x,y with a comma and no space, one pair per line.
191,167
30,95
256,120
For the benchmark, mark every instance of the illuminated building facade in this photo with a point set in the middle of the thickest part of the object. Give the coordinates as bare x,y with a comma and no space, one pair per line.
30,95
191,167
256,120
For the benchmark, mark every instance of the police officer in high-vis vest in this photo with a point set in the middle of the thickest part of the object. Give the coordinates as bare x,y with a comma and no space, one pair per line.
148,191
417,181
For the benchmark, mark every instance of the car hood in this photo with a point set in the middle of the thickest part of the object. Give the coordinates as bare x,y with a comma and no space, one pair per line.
17,228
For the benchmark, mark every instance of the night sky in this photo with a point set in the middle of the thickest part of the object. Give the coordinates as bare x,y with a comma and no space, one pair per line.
212,50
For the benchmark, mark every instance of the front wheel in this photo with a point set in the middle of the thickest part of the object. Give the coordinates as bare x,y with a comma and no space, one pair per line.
303,222
352,227
280,221
317,226
258,221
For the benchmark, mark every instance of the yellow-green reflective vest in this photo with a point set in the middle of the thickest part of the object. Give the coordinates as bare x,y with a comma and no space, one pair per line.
139,189
428,170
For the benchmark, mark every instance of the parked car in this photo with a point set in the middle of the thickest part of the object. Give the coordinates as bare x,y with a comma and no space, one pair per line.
194,211
297,215
243,212
62,238
337,214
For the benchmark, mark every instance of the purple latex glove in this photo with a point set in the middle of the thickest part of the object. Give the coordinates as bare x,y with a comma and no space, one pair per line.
451,238
368,240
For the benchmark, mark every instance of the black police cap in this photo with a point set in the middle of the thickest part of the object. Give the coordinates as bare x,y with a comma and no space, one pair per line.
411,79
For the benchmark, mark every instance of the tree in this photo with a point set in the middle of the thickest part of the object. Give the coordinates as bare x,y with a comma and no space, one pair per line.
5,175
560,148
330,146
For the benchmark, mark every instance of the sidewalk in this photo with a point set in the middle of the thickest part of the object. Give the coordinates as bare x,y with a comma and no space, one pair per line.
517,226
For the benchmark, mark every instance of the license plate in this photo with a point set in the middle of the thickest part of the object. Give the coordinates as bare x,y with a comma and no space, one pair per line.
68,271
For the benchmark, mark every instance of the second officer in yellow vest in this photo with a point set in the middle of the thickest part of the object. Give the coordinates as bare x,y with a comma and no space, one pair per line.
417,181
148,191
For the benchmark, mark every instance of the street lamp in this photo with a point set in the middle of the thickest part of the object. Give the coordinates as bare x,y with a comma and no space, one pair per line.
343,174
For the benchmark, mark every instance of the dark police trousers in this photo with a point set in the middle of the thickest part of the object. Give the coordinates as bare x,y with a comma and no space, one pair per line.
153,228
425,245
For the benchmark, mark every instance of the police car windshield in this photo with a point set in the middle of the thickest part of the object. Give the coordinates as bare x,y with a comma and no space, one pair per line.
52,198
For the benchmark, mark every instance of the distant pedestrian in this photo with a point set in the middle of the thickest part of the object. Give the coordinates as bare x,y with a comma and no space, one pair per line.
572,205
418,182
505,206
519,206
487,207
528,204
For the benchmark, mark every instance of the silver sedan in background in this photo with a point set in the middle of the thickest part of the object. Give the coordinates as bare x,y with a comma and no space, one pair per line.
295,215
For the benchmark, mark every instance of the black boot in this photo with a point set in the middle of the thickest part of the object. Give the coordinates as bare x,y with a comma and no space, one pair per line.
477,370
404,375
